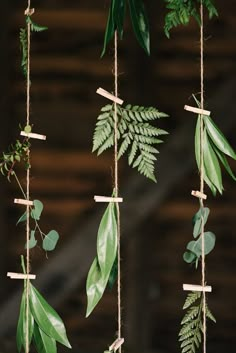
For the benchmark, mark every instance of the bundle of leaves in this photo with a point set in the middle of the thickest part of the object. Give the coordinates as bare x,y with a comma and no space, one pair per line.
216,149
103,268
194,247
190,335
34,27
45,327
181,11
139,20
135,133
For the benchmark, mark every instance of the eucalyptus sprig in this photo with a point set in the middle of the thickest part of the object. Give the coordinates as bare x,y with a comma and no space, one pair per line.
181,11
194,247
103,269
216,149
34,27
190,335
136,134
139,20
45,327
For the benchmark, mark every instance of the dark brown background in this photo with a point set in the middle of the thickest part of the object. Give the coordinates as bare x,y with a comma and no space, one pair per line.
156,219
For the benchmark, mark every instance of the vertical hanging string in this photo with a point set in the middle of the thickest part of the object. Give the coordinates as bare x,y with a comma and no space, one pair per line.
116,186
202,174
28,186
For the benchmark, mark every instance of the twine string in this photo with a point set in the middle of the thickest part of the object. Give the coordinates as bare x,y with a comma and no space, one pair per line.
28,187
202,175
116,186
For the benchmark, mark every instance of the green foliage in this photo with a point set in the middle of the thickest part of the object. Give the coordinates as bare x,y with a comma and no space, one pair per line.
135,133
45,325
34,27
215,150
50,240
190,335
16,153
103,265
181,11
139,20
194,247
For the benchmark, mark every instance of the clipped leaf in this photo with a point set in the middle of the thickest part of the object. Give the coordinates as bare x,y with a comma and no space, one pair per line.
27,129
218,138
189,257
140,23
95,286
107,240
110,28
211,164
22,218
196,246
44,343
113,274
21,326
119,16
32,241
37,210
197,220
50,240
47,318
225,163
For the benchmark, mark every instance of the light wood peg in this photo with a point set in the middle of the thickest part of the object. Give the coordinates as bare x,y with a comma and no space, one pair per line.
109,96
108,199
197,288
199,194
24,202
197,110
33,135
29,12
116,345
14,275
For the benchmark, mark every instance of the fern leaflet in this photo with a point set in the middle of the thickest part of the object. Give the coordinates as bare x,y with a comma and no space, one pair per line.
136,135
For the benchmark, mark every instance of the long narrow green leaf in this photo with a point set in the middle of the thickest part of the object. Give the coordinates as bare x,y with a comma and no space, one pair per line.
21,326
47,318
119,16
95,286
110,28
44,343
211,164
107,240
218,138
140,23
225,163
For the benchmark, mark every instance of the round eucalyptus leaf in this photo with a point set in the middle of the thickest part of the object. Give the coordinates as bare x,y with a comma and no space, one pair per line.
50,240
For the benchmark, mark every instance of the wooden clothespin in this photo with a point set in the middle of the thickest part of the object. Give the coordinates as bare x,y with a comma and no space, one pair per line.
116,345
14,275
107,199
109,96
199,194
29,12
197,110
196,288
33,135
24,202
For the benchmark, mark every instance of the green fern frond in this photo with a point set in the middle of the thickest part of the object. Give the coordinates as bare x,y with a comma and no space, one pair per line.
181,11
34,26
190,335
136,135
24,50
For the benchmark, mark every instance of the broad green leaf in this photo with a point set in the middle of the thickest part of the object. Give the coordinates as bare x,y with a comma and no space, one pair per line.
189,257
140,23
21,326
47,318
107,240
119,16
37,210
196,246
32,241
50,240
22,218
44,343
225,163
211,164
113,274
110,28
95,286
197,220
218,138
